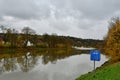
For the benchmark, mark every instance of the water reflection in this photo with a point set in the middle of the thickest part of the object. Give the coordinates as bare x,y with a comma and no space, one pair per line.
45,65
27,60
8,64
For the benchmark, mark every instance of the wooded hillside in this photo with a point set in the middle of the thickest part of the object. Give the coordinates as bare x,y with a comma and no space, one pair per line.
11,38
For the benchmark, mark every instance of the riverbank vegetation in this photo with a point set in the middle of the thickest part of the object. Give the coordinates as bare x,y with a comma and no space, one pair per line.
112,41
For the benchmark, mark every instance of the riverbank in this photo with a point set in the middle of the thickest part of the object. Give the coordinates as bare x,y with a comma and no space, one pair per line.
105,72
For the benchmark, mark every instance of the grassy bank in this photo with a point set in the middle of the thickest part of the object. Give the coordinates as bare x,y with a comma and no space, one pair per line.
107,72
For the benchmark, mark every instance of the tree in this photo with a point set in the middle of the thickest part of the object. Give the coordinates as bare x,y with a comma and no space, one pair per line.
14,38
27,32
11,37
3,28
46,39
112,40
51,40
8,36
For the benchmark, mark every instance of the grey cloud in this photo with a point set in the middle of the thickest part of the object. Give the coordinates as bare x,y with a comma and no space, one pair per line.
61,25
24,9
27,9
95,9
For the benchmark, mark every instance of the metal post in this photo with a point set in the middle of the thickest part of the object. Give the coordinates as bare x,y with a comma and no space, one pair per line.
94,65
94,69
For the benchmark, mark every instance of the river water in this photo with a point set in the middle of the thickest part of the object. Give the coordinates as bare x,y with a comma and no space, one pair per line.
46,65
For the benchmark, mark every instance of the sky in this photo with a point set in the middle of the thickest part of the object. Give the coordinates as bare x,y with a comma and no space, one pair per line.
77,18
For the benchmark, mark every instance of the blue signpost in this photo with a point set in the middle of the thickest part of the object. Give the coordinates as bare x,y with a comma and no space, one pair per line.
95,56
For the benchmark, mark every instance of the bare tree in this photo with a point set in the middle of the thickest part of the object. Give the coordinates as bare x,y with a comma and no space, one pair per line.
3,28
27,31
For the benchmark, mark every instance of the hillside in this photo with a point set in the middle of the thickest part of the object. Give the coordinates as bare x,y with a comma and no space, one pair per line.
21,40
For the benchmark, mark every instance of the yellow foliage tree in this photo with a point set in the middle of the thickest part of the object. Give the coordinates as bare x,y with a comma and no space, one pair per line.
112,47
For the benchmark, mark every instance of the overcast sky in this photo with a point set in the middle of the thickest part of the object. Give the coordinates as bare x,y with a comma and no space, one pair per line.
77,18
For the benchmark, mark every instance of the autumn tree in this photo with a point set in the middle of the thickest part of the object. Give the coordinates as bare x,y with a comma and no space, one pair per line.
53,40
46,39
14,38
112,40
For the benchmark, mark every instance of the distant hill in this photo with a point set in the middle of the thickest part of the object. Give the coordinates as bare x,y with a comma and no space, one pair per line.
86,42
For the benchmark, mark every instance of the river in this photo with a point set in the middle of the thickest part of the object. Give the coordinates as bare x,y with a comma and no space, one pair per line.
46,65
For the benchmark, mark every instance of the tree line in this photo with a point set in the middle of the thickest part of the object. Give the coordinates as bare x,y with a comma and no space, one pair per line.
10,38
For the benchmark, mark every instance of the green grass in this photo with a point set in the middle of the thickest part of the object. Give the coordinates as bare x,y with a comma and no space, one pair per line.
109,72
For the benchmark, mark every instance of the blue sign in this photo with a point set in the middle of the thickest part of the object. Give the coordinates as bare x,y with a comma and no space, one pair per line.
95,55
